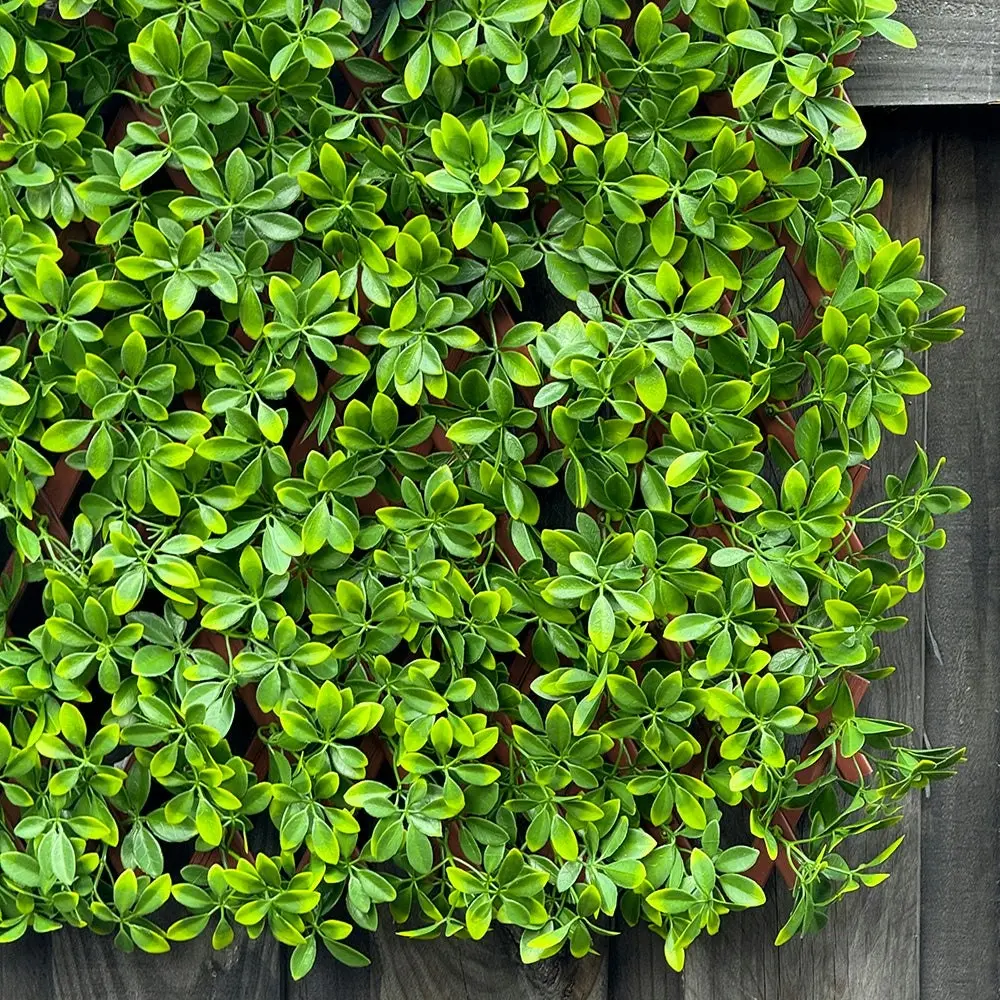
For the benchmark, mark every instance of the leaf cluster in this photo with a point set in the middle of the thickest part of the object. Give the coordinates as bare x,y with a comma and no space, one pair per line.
405,447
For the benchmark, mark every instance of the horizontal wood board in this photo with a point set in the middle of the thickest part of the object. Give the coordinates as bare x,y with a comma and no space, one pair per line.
957,60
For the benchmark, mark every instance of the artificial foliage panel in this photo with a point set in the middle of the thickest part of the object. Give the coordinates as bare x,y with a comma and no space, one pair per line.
410,447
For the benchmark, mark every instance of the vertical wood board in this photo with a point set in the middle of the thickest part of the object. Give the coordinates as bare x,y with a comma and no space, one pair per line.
960,914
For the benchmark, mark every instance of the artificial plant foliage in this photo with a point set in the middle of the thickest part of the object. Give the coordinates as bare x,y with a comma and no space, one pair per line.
406,450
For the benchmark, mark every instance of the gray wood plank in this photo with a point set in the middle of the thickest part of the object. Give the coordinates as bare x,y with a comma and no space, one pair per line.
86,967
26,969
870,946
637,969
403,969
330,980
740,962
882,925
957,61
960,913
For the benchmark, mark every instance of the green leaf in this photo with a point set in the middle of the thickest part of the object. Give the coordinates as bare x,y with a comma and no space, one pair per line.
564,840
686,628
894,31
303,958
568,277
223,449
471,430
648,28
418,70
566,17
72,725
752,83
12,394
704,295
419,851
56,856
142,168
755,41
467,224
685,467
741,890
178,296
133,354
208,823
601,624
65,435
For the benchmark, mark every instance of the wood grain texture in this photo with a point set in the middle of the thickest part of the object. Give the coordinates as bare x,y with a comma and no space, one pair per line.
957,62
637,969
329,980
403,969
86,967
26,968
870,947
740,962
882,925
960,911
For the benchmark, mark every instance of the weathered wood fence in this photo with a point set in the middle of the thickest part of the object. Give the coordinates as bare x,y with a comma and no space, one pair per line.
932,932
